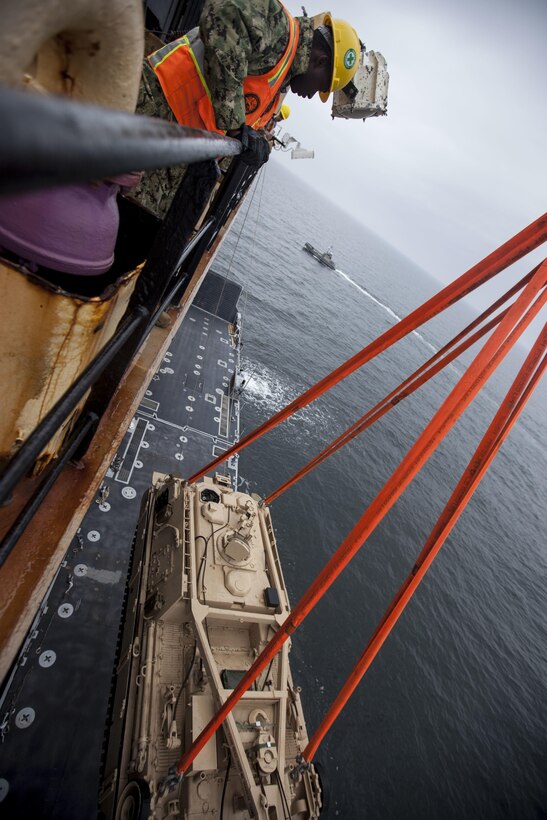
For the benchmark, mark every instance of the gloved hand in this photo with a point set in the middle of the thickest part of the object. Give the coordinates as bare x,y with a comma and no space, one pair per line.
256,148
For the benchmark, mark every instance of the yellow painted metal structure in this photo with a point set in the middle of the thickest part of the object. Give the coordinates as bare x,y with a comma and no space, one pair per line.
47,338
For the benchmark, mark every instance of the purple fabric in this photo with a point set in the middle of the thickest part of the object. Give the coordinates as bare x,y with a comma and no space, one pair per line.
71,229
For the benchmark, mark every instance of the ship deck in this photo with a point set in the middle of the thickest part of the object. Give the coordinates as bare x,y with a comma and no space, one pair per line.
54,704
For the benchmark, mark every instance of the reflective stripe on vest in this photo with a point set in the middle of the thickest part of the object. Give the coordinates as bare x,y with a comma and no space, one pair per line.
179,69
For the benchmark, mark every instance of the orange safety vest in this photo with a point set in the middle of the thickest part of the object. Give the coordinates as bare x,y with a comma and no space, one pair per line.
182,81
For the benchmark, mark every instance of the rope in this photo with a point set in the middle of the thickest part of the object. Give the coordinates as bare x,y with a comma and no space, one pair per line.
225,786
243,223
517,247
522,388
186,677
408,386
248,267
517,319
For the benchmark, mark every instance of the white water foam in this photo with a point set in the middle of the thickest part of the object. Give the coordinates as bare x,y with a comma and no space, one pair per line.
265,388
271,392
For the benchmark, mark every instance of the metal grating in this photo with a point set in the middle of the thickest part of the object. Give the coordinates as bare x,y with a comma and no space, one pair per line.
218,296
148,404
124,473
224,424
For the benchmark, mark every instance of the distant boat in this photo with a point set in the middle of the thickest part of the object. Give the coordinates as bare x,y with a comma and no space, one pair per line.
324,257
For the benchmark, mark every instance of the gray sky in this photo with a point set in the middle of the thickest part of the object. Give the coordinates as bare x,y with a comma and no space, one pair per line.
459,164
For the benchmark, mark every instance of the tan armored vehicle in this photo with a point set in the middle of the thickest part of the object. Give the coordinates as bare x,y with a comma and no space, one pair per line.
205,593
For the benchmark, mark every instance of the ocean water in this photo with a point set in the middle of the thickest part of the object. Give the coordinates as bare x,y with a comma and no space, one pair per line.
450,721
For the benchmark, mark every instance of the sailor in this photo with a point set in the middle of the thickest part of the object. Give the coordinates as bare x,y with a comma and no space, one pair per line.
227,75
284,113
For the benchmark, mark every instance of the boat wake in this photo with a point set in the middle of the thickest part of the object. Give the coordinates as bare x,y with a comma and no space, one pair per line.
386,308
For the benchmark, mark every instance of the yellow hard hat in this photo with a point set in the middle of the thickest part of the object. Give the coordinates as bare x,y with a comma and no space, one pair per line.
285,111
346,54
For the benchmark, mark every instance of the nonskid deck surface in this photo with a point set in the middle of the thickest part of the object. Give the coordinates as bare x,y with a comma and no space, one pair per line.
52,711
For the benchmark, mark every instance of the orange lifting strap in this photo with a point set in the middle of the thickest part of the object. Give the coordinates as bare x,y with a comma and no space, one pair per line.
513,404
407,387
510,327
517,247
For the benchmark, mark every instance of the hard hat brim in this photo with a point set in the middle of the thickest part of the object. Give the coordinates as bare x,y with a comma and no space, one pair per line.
324,95
340,30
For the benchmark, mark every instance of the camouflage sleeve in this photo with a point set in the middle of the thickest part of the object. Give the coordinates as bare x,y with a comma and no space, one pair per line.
224,32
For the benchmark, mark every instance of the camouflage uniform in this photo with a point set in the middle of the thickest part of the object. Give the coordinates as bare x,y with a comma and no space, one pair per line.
240,37
244,37
157,188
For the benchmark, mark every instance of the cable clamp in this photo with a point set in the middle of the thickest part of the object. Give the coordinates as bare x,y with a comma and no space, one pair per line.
170,782
301,766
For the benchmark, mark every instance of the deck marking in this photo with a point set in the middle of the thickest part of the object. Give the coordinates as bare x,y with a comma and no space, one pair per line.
105,576
65,610
25,717
136,441
47,658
